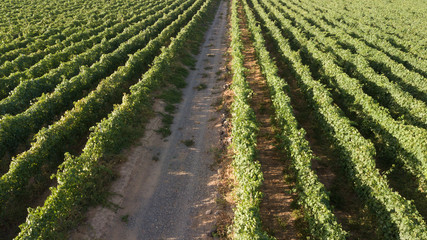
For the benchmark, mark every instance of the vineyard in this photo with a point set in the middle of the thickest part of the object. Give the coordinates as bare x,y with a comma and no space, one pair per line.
335,90
360,69
76,81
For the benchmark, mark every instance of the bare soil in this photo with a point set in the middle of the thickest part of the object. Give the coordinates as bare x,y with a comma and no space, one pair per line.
168,188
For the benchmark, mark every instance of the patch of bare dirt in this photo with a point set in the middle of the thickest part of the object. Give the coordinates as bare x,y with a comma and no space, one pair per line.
226,198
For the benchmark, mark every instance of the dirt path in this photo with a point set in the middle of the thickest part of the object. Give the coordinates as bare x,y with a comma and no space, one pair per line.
167,189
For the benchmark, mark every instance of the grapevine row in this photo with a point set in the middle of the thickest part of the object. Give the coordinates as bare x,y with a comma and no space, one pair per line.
396,216
410,81
65,27
52,22
85,173
247,171
38,162
25,60
371,38
29,71
68,38
388,93
15,129
374,28
312,194
19,99
409,141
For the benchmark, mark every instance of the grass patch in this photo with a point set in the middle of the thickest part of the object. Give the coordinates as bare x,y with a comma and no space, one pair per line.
217,152
125,218
282,222
188,60
217,155
178,77
220,201
218,104
167,119
201,86
263,108
205,75
170,108
164,131
188,142
171,96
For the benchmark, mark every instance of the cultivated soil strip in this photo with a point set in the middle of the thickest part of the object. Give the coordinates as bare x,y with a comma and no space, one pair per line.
167,188
276,207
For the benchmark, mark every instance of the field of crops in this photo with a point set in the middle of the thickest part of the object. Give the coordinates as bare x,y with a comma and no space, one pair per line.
361,68
347,82
76,76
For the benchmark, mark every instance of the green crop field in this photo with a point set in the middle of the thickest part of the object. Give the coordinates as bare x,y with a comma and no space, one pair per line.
361,67
347,82
75,76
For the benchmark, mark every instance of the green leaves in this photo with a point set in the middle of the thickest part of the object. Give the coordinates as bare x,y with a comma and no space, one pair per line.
246,223
399,217
400,137
312,194
84,176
